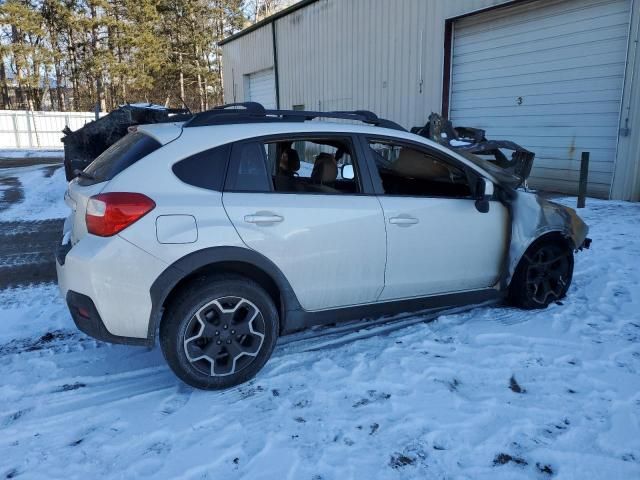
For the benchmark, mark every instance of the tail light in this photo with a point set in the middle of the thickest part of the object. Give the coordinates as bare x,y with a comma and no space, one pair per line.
110,213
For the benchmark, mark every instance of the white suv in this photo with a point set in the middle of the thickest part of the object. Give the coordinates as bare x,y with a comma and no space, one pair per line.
240,225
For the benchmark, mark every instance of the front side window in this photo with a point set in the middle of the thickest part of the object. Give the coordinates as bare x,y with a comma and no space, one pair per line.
301,165
406,170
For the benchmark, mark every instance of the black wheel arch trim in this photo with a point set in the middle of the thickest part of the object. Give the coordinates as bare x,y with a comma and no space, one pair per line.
292,316
209,257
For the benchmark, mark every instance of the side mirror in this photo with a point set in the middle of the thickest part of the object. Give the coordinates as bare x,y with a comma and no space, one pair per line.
484,192
346,172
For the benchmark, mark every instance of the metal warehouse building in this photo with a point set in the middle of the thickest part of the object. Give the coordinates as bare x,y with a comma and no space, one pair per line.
557,76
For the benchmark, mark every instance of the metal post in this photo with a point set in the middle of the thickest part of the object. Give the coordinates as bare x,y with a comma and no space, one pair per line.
584,175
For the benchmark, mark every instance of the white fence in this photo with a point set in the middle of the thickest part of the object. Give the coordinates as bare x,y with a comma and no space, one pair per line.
29,130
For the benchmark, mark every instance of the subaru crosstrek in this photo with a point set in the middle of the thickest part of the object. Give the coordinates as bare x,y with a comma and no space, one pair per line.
219,234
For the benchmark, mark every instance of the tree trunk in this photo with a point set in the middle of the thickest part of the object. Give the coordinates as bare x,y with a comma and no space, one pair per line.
71,49
181,77
59,89
101,104
6,101
200,89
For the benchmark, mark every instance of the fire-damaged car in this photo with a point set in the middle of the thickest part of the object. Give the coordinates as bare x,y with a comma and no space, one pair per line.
221,233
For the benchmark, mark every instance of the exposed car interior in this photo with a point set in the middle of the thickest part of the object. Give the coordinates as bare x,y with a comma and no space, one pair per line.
311,166
407,171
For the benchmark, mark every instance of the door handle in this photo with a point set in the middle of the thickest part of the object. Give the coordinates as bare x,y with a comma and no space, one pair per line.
263,218
403,220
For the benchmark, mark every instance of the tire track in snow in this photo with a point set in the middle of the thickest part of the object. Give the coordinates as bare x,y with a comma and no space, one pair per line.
27,252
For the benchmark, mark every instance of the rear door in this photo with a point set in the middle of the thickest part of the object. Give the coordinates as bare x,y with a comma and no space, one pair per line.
288,201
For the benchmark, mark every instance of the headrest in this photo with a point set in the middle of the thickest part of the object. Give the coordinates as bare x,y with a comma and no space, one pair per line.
419,165
293,160
325,169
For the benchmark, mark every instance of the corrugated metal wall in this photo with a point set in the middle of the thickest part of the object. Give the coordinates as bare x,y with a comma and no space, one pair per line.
550,77
252,53
381,55
349,54
626,176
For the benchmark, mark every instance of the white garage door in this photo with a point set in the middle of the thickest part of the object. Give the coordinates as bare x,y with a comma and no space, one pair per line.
548,75
261,88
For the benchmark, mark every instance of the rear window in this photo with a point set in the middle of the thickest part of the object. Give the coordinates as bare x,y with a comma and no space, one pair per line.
119,156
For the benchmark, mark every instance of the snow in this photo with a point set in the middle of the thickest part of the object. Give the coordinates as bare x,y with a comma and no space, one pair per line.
458,143
43,194
31,154
150,106
405,399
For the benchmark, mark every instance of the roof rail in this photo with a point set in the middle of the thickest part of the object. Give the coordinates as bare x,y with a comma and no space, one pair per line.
253,112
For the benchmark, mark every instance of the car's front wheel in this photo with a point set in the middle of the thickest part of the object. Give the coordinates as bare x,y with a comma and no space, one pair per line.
220,332
543,275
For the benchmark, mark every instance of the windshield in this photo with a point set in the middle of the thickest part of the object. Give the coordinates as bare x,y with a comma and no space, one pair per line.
500,173
119,156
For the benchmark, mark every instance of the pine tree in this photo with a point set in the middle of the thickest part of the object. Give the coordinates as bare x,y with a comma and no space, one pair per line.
74,54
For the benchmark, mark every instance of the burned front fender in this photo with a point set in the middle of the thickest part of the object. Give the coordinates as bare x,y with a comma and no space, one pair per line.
534,217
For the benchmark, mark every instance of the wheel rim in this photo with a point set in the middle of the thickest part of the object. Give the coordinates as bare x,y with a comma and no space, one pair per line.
224,336
547,274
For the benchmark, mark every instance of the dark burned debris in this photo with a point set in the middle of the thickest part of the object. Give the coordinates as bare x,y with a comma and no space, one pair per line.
48,340
514,386
400,460
504,458
473,140
85,144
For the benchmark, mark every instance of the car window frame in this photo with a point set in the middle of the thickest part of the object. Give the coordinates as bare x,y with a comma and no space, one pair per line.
360,162
366,139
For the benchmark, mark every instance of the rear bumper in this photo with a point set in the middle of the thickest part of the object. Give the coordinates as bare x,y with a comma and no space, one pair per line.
87,319
106,283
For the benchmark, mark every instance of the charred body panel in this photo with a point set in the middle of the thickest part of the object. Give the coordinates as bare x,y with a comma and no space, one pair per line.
550,218
84,145
473,140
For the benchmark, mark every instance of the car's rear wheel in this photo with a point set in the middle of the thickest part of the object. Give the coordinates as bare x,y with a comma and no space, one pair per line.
220,332
543,275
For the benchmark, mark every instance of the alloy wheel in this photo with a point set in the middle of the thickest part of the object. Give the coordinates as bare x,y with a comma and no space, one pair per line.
224,336
548,274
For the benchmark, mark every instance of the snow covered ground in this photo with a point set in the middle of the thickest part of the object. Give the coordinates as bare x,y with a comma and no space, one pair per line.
491,393
43,191
34,153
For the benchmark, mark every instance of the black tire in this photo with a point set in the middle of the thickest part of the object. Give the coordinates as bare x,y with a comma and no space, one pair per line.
201,325
543,275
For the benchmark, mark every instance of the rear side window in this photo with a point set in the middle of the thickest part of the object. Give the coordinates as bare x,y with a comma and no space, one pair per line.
119,156
204,169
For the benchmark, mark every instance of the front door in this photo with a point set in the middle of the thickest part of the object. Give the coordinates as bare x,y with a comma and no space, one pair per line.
288,201
437,241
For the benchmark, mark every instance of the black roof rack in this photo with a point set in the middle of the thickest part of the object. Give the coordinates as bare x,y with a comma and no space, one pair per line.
253,112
